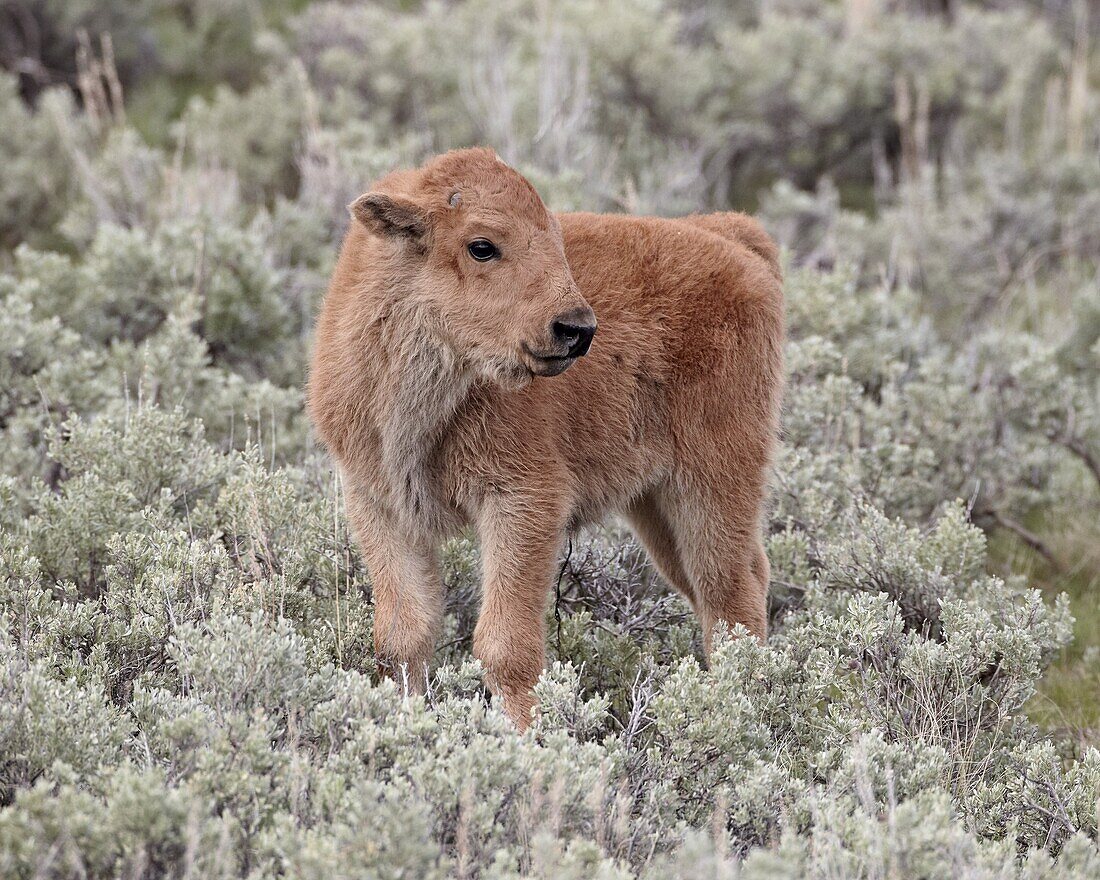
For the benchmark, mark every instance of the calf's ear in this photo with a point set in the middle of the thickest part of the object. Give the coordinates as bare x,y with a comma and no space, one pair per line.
384,214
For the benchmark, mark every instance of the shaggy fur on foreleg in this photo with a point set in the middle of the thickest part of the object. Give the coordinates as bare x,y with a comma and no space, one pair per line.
407,589
520,542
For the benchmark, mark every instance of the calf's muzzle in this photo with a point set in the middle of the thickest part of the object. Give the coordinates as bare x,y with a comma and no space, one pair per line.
573,331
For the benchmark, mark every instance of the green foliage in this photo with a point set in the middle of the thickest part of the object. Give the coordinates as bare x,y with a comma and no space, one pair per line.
38,174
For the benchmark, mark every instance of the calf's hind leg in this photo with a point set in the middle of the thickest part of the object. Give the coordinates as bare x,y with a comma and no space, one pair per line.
723,555
651,526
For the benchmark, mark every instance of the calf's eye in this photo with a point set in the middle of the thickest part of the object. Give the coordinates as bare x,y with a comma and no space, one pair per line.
482,250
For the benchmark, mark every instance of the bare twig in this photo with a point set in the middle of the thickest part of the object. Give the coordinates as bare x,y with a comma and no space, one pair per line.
1026,535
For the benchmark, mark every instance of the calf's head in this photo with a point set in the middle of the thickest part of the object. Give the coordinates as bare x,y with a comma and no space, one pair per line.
470,250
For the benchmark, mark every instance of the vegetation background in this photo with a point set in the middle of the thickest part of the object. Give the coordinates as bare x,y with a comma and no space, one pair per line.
186,684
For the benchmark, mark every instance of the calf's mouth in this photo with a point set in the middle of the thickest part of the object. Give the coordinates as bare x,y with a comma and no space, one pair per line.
548,364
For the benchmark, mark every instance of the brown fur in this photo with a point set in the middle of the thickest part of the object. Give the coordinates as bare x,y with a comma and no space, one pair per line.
425,388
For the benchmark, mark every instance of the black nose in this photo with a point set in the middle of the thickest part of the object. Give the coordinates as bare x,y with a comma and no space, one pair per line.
576,338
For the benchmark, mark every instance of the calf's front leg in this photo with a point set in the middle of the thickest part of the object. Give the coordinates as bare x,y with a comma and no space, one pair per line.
407,589
520,539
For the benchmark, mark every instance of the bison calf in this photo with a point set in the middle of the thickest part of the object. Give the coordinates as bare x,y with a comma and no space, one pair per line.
480,360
